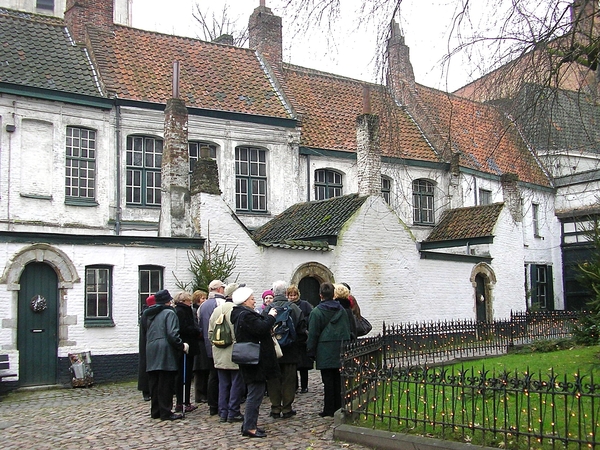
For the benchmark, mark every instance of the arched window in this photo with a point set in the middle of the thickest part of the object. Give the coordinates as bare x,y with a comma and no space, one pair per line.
144,158
423,202
328,184
386,188
250,179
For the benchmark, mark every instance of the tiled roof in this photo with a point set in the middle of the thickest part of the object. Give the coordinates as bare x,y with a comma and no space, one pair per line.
466,223
138,65
330,104
309,221
485,138
36,51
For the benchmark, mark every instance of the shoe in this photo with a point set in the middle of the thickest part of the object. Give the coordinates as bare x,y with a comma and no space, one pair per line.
238,418
222,419
262,430
257,434
289,414
213,411
324,414
147,398
304,390
190,408
178,408
174,417
275,415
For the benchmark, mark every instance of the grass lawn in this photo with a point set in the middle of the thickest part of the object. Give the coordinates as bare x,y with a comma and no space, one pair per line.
517,401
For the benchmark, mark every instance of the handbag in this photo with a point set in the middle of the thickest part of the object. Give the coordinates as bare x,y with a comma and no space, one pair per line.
363,326
278,350
245,353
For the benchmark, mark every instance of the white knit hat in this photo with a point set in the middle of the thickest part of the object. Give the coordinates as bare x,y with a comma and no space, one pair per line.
240,295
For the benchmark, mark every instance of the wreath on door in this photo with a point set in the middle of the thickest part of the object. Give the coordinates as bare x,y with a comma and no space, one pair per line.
38,304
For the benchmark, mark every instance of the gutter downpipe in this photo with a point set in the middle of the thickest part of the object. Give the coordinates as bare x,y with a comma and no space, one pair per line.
308,178
118,174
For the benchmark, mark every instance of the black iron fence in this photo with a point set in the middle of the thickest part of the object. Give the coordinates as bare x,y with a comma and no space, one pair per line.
389,384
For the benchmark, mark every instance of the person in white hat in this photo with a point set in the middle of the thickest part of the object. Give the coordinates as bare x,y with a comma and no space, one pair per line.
250,326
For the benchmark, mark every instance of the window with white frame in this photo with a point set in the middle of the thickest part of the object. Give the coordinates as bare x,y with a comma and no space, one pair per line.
150,282
80,164
98,296
250,179
194,148
485,197
535,219
143,178
386,189
423,202
328,184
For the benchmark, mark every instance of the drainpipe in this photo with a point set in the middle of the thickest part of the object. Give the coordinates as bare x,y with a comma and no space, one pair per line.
10,128
118,174
308,178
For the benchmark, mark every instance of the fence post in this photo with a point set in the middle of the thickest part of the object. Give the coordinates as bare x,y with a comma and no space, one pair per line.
384,346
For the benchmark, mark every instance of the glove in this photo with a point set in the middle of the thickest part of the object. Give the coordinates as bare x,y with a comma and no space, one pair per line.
186,347
273,312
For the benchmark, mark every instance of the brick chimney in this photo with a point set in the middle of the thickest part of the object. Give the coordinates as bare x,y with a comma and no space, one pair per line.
80,13
175,216
264,29
401,78
368,152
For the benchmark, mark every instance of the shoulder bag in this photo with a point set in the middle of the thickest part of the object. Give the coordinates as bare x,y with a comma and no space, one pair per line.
363,326
244,352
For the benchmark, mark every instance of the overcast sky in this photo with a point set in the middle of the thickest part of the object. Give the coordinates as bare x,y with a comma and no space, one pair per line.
344,51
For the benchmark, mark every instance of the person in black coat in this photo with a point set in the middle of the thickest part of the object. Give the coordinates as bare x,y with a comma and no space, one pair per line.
306,362
251,326
190,333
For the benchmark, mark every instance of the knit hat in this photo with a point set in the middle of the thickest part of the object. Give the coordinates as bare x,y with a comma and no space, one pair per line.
242,294
150,301
163,297
230,289
267,292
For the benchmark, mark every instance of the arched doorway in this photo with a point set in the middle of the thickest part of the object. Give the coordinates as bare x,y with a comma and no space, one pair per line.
309,277
37,335
39,276
483,280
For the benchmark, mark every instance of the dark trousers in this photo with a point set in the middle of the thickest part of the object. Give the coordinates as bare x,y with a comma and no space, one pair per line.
256,392
231,390
212,394
161,383
189,364
303,378
282,390
332,385
201,385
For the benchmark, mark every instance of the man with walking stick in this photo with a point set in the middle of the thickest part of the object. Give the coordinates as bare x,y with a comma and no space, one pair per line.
160,327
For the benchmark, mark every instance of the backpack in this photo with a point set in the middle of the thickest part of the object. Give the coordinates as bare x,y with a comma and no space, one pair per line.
221,336
284,329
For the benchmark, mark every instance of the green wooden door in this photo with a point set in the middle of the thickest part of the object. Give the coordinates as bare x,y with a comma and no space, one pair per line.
37,336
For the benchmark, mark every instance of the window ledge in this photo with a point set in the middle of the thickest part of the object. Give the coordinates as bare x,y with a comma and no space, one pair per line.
98,323
253,213
80,202
37,197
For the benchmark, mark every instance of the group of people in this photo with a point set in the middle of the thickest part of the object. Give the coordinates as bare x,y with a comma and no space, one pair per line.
194,335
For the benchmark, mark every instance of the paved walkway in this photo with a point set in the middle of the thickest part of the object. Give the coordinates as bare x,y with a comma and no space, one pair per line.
114,416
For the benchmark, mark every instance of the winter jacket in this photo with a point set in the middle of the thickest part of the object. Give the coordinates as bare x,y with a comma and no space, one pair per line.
328,330
205,311
222,356
163,343
251,326
292,353
351,319
305,361
188,330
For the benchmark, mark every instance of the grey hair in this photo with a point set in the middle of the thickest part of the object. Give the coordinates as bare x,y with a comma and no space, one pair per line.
279,287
